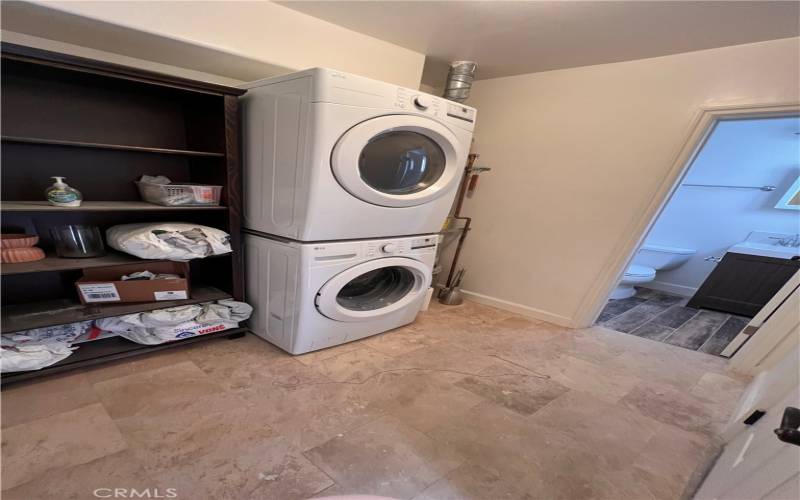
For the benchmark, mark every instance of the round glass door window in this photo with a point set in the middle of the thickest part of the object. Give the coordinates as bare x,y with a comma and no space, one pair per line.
376,289
401,162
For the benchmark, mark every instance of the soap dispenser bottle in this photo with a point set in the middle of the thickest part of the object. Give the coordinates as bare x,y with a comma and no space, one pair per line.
62,195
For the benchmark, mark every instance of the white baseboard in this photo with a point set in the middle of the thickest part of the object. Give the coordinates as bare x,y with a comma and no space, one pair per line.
519,309
682,290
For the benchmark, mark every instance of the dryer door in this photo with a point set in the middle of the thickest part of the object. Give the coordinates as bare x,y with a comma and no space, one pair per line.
373,289
397,160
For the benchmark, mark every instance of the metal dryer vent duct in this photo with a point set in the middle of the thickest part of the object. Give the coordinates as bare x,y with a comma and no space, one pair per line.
459,80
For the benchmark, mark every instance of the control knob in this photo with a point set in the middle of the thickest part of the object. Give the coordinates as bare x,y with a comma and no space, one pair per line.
389,248
422,102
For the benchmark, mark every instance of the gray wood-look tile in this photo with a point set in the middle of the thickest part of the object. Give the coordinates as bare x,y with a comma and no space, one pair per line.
697,330
653,331
720,340
676,316
630,320
619,306
664,300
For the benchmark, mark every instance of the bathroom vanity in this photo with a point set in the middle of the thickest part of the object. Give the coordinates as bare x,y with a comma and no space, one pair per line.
748,276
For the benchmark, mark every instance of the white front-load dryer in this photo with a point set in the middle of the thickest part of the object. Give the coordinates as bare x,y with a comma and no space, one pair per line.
333,156
309,296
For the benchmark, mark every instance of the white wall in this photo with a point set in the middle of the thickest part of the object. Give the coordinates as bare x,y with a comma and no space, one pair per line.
578,155
745,153
238,40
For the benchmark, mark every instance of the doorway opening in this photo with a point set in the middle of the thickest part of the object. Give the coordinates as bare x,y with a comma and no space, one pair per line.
722,246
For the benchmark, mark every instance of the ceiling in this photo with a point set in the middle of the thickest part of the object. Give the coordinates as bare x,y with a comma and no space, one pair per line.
509,38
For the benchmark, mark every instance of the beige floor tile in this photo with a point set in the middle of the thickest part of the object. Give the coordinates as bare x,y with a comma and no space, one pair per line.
449,359
589,377
250,372
262,470
720,388
36,399
90,480
467,402
672,406
422,400
489,434
209,425
634,484
312,358
355,366
615,434
477,313
474,482
310,415
543,462
674,454
498,337
66,439
524,393
138,364
400,341
384,458
154,391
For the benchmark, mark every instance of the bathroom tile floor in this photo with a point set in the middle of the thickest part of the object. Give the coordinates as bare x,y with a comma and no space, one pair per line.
664,317
468,402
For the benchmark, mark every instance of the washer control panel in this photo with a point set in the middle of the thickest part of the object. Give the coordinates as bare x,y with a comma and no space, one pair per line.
405,246
338,251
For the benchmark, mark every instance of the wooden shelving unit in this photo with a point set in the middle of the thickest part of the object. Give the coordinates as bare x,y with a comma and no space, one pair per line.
21,317
100,206
53,263
111,349
103,126
118,147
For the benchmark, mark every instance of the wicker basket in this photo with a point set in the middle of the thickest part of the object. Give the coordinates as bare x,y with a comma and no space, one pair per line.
171,195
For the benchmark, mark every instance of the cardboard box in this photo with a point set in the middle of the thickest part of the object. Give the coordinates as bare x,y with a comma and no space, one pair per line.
101,285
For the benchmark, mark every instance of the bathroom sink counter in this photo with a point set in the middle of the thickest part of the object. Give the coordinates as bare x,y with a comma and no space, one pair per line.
765,250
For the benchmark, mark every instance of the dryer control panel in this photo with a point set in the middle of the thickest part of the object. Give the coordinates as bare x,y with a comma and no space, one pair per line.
415,101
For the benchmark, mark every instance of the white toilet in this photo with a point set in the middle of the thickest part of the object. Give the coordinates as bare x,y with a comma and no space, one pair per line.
648,260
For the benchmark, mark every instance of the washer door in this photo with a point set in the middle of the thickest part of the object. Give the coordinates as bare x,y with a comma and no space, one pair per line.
373,289
397,160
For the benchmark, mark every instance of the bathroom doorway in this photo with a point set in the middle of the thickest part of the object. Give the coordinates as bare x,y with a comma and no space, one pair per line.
724,243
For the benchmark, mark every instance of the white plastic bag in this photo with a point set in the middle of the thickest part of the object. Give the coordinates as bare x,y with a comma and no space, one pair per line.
23,357
175,323
168,240
38,348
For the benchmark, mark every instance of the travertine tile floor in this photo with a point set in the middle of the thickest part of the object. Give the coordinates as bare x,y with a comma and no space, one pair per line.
469,402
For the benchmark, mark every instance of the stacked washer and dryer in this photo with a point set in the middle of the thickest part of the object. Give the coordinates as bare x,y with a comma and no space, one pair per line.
347,182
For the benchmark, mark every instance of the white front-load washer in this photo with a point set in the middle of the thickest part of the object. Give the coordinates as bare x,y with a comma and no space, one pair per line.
308,296
332,156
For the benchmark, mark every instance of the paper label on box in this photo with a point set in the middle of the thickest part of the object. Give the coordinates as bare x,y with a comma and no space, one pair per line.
102,292
171,295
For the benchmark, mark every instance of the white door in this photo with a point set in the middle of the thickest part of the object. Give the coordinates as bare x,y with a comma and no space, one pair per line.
373,289
757,464
397,160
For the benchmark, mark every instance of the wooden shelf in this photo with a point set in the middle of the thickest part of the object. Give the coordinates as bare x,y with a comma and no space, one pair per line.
100,206
115,147
58,312
54,263
111,349
95,123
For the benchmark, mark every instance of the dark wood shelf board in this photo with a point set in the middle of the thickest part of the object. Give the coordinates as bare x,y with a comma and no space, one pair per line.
110,349
101,206
69,62
54,263
114,147
20,317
